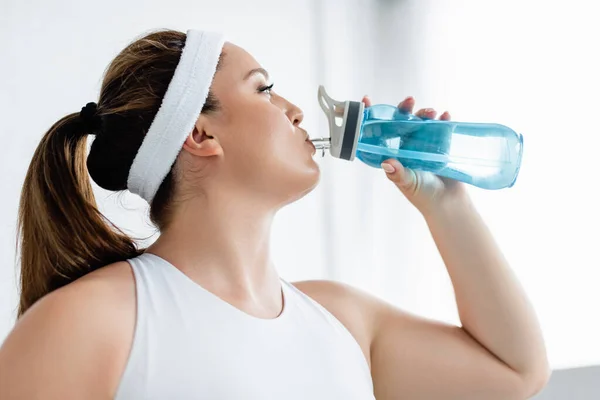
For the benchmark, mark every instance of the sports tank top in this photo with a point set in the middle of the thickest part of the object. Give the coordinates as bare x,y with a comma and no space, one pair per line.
191,344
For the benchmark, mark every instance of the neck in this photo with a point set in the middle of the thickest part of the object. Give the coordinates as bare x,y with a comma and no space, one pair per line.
224,245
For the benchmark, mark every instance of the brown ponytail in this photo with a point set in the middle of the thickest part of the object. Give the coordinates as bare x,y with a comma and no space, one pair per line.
62,234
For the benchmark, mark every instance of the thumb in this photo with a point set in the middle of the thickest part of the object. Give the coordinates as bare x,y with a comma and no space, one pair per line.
404,178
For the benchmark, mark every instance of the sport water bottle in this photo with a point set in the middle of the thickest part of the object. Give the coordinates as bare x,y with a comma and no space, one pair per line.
485,155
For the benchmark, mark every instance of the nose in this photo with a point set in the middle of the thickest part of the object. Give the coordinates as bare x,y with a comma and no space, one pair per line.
293,112
296,115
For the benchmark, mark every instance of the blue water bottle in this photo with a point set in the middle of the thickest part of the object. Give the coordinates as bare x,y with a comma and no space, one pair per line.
485,155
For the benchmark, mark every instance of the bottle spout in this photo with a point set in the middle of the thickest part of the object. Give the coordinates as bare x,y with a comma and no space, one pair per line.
322,144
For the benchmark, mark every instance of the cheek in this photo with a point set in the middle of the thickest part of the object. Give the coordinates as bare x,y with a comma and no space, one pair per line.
265,152
267,131
260,137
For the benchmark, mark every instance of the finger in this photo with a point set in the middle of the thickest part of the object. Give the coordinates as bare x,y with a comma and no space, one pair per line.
407,104
426,113
367,100
404,178
445,116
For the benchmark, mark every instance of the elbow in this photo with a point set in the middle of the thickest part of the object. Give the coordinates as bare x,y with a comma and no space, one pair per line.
535,381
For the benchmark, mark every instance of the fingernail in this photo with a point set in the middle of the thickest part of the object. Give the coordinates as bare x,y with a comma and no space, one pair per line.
387,168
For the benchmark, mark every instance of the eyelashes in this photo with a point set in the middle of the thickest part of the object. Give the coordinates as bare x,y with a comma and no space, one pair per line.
266,89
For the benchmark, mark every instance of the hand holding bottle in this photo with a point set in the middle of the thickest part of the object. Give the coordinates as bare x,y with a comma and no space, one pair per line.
423,189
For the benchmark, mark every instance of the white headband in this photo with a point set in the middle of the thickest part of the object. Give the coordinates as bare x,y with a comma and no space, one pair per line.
177,114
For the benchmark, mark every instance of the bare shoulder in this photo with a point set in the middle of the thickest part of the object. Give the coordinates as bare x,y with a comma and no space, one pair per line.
355,308
74,342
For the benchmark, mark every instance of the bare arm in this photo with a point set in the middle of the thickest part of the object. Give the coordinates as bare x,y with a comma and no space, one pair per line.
498,353
492,305
417,358
73,343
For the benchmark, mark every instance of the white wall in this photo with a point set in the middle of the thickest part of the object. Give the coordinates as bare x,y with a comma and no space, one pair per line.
524,64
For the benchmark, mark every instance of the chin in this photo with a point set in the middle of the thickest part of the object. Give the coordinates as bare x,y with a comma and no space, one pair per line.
302,184
314,181
313,175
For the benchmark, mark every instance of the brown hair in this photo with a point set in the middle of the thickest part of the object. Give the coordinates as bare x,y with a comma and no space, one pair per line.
62,234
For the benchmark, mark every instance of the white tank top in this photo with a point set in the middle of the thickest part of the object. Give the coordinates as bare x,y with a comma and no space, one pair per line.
191,344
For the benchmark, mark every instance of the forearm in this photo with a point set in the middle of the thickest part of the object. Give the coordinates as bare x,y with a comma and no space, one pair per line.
492,305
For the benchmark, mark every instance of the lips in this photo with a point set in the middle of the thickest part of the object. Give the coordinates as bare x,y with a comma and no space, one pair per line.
307,140
311,145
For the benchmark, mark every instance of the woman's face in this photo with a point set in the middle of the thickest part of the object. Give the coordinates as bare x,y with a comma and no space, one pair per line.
264,151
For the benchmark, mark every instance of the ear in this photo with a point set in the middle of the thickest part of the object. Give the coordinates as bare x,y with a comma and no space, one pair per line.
200,143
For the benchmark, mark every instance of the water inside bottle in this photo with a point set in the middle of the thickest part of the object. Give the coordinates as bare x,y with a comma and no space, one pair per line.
485,156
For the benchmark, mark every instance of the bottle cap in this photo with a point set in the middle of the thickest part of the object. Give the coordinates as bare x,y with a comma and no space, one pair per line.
345,120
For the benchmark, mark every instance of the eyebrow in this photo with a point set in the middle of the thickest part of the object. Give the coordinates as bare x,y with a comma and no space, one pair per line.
257,71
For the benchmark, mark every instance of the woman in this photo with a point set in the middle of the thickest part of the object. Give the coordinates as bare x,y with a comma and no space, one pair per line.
202,312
